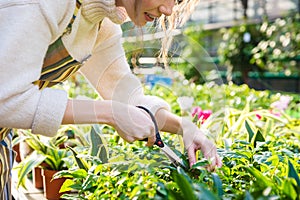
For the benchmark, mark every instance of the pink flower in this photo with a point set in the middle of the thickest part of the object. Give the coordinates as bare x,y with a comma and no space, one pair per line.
282,103
201,114
196,110
277,114
258,116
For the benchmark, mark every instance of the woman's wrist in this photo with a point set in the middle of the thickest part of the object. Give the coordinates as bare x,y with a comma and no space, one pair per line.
168,121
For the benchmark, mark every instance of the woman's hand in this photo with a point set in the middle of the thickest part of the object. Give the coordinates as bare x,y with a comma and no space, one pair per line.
132,123
195,140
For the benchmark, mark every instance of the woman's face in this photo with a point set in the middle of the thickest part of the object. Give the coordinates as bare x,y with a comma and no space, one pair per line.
143,11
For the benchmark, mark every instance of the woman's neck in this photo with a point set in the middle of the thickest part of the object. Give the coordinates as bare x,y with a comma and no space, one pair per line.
119,3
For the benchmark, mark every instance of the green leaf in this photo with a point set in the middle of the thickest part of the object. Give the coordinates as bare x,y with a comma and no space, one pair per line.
135,191
289,189
88,183
55,158
268,126
274,117
243,115
27,165
174,195
184,183
207,194
217,185
249,130
67,185
96,141
79,161
103,154
161,191
18,139
200,164
293,174
98,144
72,197
78,173
261,180
35,142
117,158
248,196
59,140
258,138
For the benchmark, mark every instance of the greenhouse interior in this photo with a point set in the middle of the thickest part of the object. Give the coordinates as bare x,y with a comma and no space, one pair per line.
233,70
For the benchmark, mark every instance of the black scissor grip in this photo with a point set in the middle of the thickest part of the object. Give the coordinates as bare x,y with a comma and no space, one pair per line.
158,140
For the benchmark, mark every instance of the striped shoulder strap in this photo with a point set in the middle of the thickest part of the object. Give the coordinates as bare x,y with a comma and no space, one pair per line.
69,27
58,64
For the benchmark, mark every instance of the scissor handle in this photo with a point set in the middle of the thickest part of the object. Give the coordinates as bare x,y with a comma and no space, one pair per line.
158,140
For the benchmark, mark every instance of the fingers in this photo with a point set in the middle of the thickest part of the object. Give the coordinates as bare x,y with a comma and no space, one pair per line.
151,141
127,138
219,161
212,156
215,162
191,155
212,166
138,125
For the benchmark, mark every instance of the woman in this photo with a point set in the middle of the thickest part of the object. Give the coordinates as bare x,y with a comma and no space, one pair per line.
43,42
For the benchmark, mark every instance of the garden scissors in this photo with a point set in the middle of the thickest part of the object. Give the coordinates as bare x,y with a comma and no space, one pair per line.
167,151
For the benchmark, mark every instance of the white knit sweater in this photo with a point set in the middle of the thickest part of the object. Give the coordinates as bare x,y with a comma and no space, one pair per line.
28,27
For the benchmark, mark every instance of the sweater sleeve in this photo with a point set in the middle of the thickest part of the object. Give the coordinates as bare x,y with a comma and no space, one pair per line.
25,35
107,70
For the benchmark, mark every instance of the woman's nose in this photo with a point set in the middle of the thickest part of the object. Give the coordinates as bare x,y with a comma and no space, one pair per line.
167,8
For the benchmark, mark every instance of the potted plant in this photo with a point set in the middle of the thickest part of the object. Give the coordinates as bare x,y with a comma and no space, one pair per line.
46,156
16,146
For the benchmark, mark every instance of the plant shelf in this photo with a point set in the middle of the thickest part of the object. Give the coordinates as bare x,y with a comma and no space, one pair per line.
20,193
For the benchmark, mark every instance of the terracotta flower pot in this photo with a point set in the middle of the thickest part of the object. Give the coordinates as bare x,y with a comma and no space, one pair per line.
52,187
37,176
16,148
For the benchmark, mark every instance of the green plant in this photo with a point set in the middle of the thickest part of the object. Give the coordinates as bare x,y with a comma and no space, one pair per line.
236,46
269,46
45,150
278,51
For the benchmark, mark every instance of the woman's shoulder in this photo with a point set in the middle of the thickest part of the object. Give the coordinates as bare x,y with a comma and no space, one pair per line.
109,31
57,13
110,27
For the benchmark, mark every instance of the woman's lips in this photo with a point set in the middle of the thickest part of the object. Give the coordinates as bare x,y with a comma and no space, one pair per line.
149,17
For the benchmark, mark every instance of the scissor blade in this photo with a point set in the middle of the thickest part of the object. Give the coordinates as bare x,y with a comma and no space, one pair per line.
172,156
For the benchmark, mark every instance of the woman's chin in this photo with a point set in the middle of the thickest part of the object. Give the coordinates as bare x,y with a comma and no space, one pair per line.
140,22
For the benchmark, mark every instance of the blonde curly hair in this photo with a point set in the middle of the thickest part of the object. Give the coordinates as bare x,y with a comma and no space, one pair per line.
181,13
